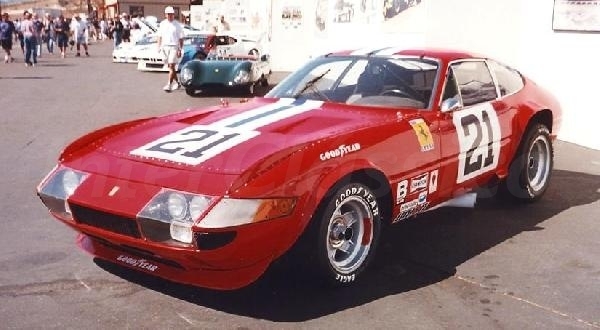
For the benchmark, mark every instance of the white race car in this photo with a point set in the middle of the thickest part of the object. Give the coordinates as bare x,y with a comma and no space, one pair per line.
131,52
198,47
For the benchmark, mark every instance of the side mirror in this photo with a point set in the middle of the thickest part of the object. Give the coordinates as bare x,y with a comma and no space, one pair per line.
450,104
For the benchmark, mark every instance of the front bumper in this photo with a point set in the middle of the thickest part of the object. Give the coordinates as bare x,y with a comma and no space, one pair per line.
150,263
105,211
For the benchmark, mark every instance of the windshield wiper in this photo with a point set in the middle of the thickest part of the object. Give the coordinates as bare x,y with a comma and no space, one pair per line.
311,84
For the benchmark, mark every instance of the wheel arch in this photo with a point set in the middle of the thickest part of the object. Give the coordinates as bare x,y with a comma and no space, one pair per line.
371,177
544,117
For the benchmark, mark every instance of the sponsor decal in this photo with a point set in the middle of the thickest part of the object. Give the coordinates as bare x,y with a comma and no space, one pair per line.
198,143
423,134
340,151
137,263
411,210
401,191
433,181
422,198
419,182
409,205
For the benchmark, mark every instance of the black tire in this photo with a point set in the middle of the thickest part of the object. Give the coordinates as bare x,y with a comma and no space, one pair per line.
530,171
344,234
190,91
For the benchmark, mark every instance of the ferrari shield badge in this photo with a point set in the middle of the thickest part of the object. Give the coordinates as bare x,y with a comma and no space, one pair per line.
423,134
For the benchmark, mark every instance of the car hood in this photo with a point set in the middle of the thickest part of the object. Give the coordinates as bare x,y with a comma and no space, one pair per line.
219,71
229,139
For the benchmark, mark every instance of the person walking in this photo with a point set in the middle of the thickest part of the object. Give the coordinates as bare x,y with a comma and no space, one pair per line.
80,31
170,43
7,29
28,30
49,32
117,31
39,34
61,31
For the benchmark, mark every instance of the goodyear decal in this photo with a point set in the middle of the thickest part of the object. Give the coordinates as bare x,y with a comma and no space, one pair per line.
198,143
423,134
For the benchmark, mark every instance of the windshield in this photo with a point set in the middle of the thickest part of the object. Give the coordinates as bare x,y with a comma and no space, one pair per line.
196,40
364,80
147,40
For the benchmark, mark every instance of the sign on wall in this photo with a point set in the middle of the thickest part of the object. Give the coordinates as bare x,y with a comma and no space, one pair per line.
576,15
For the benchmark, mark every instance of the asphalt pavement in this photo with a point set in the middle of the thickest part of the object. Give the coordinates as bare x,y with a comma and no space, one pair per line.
498,265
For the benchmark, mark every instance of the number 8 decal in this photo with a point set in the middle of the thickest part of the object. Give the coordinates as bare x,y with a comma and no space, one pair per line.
478,131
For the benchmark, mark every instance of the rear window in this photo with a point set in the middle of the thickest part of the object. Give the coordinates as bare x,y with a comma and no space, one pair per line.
509,80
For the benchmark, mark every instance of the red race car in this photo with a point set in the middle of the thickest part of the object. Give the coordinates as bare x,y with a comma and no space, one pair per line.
349,143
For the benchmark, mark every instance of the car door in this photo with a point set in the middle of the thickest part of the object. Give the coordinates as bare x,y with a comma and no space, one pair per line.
470,127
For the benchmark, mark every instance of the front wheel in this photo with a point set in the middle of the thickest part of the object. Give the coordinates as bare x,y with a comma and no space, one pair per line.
530,170
190,91
348,232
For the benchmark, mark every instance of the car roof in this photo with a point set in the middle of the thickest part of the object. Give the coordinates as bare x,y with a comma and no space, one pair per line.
444,54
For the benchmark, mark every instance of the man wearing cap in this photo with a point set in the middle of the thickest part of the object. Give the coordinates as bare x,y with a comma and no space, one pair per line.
170,42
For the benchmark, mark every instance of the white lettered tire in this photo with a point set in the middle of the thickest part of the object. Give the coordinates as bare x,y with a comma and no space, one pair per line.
349,226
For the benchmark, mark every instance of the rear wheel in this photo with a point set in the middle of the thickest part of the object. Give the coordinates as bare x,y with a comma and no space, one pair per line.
530,170
348,227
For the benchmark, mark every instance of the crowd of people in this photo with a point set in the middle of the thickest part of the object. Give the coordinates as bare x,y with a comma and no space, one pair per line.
32,33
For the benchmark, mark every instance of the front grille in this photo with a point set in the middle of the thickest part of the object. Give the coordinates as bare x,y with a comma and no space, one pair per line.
107,221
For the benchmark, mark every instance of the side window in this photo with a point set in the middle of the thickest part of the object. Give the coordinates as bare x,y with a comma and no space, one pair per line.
509,80
450,90
474,82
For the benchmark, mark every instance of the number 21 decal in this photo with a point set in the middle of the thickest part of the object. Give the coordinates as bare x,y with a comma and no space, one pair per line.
478,131
194,144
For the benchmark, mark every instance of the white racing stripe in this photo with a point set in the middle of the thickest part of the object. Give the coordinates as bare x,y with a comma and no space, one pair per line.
198,143
365,51
390,50
254,112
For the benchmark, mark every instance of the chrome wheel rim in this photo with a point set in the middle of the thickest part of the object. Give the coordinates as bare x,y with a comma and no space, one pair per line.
538,163
349,235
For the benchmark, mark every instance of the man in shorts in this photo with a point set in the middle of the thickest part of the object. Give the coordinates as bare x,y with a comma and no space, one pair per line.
170,43
61,30
80,31
7,29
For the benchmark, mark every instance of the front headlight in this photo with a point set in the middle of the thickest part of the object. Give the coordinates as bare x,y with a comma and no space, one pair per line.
242,77
57,187
170,215
186,75
234,212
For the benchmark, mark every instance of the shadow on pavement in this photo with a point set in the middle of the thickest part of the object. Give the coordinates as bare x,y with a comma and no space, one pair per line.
413,254
25,78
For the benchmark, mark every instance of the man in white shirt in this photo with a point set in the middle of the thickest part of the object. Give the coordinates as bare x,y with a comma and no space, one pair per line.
80,31
170,43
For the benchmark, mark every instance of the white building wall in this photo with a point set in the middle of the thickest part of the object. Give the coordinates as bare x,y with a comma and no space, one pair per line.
517,32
